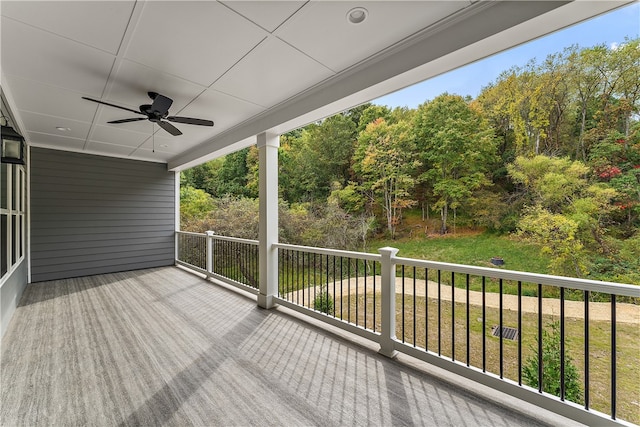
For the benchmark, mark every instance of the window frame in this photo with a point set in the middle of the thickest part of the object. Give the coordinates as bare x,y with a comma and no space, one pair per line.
15,213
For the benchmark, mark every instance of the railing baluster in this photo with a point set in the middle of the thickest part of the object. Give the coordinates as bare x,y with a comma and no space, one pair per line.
519,332
374,296
334,286
453,315
349,290
501,341
586,350
341,291
426,309
562,347
309,279
613,357
357,286
439,314
540,367
402,269
414,307
484,325
468,321
364,264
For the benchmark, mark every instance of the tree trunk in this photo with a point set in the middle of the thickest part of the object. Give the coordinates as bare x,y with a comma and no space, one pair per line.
443,217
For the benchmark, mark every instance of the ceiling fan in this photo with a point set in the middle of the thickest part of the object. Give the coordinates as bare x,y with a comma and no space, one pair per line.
157,112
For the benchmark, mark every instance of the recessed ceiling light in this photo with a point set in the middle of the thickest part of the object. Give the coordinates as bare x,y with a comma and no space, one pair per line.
63,129
357,15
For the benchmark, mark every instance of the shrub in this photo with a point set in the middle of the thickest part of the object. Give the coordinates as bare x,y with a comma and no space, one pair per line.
323,302
551,367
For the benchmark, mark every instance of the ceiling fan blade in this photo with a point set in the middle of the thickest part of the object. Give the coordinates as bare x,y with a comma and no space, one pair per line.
112,105
169,128
190,121
161,104
135,119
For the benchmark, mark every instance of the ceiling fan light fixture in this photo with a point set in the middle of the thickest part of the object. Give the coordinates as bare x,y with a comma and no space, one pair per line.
357,15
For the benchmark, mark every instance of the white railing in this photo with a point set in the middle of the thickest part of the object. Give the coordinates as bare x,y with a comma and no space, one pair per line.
445,314
228,259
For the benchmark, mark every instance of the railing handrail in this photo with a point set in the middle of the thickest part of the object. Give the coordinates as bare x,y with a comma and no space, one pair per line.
235,239
326,251
621,289
220,237
190,233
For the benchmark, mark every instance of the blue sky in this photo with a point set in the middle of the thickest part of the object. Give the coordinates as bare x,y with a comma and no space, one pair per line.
611,28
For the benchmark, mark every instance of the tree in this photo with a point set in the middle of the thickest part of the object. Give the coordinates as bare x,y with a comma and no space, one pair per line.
457,148
385,159
566,214
557,235
551,367
313,161
194,204
232,175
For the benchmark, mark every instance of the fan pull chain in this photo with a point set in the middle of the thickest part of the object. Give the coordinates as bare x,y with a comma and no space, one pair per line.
153,138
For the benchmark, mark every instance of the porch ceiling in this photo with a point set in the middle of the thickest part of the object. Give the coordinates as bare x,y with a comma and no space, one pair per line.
250,66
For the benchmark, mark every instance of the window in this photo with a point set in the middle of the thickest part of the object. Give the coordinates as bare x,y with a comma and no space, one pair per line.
12,217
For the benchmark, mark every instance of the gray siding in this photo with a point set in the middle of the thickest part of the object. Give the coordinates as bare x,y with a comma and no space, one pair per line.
94,215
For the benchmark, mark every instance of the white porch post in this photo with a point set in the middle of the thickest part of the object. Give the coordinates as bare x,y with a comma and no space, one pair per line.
210,235
268,233
388,302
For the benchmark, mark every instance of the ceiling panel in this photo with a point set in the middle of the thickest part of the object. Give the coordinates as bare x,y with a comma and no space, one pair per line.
271,73
226,111
48,124
55,141
117,135
100,24
151,156
34,96
132,81
164,144
197,41
344,44
53,60
108,149
268,14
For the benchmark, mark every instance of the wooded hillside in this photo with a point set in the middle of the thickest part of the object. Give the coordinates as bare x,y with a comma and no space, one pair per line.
549,152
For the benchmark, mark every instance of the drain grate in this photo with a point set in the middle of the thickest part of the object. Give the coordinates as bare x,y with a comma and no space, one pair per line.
507,332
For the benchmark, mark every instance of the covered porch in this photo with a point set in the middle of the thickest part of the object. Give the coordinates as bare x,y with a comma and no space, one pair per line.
99,327
164,346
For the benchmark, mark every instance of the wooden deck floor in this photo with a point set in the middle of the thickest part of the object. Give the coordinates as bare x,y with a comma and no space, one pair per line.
165,347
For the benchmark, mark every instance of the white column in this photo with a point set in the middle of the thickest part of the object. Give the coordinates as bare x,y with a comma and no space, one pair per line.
388,302
210,252
268,233
176,211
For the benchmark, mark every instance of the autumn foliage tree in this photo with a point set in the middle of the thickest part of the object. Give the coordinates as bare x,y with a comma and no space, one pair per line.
457,147
385,159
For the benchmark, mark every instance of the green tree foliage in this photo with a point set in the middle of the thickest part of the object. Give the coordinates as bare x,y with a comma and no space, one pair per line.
386,159
311,162
551,362
194,203
558,236
457,147
566,213
232,176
